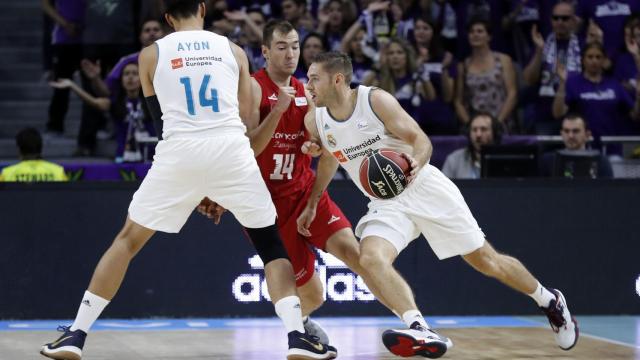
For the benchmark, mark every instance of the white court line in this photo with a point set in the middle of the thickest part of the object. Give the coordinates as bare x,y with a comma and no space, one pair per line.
616,342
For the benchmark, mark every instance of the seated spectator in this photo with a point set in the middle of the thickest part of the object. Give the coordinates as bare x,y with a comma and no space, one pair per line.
605,104
126,109
400,77
484,129
561,48
486,80
31,167
312,45
575,136
436,117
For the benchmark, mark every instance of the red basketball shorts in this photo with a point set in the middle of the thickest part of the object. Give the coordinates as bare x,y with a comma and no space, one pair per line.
329,219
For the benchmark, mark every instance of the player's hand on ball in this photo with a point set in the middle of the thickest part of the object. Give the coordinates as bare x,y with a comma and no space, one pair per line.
311,148
211,209
305,219
414,167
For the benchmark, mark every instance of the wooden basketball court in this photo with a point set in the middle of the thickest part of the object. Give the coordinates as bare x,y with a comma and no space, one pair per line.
251,340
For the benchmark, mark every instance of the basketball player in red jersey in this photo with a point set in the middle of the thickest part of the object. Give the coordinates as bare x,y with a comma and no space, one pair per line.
277,132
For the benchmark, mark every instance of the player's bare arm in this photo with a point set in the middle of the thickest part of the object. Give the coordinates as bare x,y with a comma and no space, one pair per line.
147,61
402,126
244,82
327,167
313,146
260,133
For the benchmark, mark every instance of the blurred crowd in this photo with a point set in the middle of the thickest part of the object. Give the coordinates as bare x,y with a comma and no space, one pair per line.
526,63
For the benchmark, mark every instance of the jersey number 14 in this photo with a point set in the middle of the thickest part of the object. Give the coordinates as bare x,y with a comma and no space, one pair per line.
202,95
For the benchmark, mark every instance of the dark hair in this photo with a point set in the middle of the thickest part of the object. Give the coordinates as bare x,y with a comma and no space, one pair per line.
29,142
496,130
336,62
479,21
300,2
325,47
576,116
592,45
436,50
182,9
272,26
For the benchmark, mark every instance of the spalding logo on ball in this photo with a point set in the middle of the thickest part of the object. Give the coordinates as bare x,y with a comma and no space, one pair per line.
383,173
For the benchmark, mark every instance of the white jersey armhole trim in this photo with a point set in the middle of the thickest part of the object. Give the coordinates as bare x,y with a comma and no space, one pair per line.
371,90
155,71
235,60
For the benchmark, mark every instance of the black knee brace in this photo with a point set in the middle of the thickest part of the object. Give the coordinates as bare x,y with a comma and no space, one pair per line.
268,244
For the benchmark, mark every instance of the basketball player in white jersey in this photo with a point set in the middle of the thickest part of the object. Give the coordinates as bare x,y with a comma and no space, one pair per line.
351,123
198,84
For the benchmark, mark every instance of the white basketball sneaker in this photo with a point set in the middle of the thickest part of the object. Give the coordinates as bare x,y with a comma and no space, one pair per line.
564,326
313,328
416,341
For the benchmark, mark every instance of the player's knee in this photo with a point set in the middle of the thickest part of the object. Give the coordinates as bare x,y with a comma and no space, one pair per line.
267,244
489,265
373,260
127,244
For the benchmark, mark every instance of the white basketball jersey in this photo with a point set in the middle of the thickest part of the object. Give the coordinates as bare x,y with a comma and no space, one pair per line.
350,140
196,82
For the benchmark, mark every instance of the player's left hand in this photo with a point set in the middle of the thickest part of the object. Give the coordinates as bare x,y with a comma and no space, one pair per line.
415,167
311,148
211,209
305,219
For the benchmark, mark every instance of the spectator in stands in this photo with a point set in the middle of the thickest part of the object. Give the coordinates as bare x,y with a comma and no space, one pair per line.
610,17
109,34
626,67
312,45
333,21
605,104
486,80
517,24
378,22
400,77
561,48
66,39
295,12
575,136
126,109
488,11
32,167
484,129
437,64
150,31
442,14
249,25
353,44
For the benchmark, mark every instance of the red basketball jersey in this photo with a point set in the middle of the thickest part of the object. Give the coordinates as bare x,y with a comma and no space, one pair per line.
285,169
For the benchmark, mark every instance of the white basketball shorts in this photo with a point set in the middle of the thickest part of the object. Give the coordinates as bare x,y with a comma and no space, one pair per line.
431,205
185,170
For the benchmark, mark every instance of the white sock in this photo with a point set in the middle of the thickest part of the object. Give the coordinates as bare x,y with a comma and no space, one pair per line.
542,296
288,310
411,316
90,309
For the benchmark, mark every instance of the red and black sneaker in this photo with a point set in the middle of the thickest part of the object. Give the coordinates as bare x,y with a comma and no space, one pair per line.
416,341
564,326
